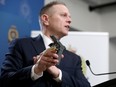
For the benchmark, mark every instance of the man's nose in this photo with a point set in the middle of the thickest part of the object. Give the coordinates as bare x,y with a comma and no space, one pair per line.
69,20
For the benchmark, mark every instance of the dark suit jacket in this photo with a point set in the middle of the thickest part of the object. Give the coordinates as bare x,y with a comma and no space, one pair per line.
16,69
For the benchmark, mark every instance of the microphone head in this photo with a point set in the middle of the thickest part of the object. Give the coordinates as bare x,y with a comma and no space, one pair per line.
87,62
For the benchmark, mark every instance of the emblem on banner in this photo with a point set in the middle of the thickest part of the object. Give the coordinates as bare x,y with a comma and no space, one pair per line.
12,33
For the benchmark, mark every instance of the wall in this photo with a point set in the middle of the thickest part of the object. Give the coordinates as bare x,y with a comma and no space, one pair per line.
108,22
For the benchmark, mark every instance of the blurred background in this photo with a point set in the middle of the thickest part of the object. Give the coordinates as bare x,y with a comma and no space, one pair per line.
19,17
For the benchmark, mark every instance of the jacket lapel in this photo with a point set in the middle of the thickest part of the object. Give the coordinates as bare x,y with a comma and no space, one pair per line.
38,44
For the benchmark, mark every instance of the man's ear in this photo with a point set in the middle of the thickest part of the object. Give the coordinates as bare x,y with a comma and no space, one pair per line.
45,19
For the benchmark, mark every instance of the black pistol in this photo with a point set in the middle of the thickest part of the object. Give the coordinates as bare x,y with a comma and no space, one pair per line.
58,45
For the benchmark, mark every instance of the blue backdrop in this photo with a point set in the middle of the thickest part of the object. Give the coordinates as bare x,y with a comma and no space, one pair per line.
21,14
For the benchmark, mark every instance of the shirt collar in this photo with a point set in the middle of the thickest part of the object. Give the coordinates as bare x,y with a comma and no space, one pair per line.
46,40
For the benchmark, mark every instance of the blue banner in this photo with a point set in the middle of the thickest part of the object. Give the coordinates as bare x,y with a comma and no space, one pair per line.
17,19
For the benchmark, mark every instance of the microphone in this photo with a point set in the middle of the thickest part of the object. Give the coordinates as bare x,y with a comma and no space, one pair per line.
88,64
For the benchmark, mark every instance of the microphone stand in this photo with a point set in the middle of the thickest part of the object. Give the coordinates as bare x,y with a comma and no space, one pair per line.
109,83
88,64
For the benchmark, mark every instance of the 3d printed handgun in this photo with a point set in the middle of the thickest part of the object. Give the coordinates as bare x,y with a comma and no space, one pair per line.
58,46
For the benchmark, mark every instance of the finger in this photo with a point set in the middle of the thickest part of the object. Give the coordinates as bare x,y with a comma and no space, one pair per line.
50,64
50,59
62,56
35,59
45,64
49,51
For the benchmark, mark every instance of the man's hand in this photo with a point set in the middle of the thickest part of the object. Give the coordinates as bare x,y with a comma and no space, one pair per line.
45,60
54,71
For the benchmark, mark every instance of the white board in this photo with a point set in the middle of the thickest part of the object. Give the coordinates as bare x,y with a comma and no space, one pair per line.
92,46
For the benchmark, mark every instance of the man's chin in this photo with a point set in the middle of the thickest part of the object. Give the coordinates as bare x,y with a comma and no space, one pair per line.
65,34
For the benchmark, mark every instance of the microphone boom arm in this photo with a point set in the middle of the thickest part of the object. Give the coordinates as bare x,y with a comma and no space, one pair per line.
88,64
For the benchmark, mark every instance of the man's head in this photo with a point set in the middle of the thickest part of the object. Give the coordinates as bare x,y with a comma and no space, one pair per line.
55,19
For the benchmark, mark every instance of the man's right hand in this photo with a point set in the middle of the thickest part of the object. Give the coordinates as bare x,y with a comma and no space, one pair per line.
46,59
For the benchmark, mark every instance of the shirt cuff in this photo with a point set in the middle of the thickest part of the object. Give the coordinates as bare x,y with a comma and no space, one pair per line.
59,78
35,76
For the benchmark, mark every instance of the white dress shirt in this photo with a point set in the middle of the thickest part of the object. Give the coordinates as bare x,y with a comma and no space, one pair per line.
35,76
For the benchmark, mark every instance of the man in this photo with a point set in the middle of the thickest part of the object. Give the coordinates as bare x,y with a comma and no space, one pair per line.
30,62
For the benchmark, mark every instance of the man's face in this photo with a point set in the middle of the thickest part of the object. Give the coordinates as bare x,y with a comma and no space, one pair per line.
59,20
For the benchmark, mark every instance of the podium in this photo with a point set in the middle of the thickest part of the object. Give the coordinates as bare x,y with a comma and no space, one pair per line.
109,83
